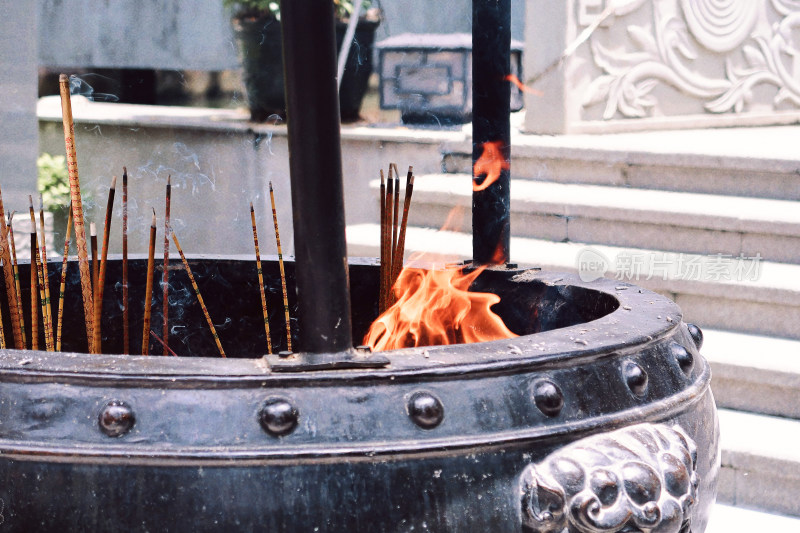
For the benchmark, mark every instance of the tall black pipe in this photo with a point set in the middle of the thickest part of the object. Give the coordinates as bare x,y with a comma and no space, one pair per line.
491,100
315,162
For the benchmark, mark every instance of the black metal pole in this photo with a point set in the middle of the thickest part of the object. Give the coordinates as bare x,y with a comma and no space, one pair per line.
315,162
491,100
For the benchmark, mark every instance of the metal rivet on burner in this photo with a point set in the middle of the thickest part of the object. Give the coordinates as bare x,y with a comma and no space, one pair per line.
697,335
425,410
278,416
548,397
635,377
116,418
683,356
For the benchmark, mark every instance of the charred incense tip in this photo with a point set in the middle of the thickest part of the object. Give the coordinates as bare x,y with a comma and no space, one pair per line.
63,78
124,171
270,186
251,207
41,202
169,180
383,181
114,182
92,229
153,223
30,201
11,217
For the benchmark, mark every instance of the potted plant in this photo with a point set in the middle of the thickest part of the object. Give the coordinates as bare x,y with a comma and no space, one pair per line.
257,27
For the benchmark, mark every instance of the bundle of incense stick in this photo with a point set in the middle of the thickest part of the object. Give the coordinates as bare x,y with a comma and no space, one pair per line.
36,260
34,298
393,234
63,282
11,288
21,322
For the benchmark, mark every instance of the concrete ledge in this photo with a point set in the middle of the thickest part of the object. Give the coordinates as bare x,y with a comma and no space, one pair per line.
754,373
730,519
760,462
677,221
757,161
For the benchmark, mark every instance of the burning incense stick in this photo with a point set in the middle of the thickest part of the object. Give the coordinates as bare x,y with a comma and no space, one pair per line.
93,244
148,291
60,318
34,297
261,280
101,276
162,343
46,275
165,274
382,290
36,259
11,289
126,340
197,292
397,261
77,205
16,279
283,272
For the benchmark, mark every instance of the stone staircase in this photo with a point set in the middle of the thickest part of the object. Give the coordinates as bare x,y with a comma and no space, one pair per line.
711,218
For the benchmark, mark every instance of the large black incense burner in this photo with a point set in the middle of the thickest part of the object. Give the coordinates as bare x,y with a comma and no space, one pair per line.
597,418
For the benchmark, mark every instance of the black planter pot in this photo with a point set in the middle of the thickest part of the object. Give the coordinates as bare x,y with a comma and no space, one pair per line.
599,417
262,61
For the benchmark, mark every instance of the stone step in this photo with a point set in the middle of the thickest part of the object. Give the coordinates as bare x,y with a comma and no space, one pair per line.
758,162
760,462
754,373
758,297
732,519
677,221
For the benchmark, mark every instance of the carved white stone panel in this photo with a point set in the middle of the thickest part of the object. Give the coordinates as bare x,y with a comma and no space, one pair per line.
668,63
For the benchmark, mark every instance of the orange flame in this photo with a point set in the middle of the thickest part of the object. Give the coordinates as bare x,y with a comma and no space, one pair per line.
434,307
521,86
491,163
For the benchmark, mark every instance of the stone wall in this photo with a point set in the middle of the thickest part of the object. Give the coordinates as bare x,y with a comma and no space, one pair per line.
666,63
196,35
19,147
